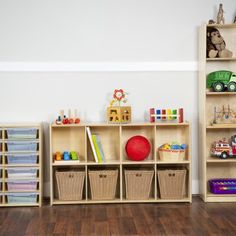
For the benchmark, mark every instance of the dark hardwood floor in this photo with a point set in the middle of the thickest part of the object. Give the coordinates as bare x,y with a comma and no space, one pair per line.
197,218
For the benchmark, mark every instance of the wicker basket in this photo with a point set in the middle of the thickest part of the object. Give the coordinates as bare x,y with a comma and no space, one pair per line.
171,155
172,183
103,184
70,184
138,184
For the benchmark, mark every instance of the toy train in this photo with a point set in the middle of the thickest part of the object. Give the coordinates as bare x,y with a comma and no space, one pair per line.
167,115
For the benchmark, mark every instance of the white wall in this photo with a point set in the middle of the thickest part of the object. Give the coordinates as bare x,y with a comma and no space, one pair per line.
100,31
104,30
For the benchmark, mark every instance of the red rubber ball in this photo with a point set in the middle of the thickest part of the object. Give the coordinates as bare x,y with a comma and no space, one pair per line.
137,148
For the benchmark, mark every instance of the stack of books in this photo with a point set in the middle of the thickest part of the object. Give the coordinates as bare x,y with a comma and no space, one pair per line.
96,146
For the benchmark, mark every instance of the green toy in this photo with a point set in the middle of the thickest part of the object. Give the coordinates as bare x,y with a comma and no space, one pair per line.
221,80
73,155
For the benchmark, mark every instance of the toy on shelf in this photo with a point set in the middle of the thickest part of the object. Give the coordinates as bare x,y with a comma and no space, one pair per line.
138,148
220,15
225,115
222,186
167,115
58,156
173,152
119,113
216,46
224,149
66,157
221,80
64,120
73,155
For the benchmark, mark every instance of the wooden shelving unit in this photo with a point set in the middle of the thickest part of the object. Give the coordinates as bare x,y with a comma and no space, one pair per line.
113,139
5,166
212,167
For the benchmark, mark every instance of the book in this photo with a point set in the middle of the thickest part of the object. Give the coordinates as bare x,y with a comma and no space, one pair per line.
100,147
97,149
91,143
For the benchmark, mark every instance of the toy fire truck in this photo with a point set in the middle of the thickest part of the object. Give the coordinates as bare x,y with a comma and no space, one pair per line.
224,149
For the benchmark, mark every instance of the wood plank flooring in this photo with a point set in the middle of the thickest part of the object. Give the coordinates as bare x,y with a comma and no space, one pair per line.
197,218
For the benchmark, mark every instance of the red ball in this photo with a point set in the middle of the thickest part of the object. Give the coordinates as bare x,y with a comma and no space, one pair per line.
137,148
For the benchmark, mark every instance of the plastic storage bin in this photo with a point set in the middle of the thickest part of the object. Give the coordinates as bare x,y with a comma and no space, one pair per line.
70,184
222,186
21,133
138,183
172,183
21,173
22,158
13,185
13,146
103,184
19,198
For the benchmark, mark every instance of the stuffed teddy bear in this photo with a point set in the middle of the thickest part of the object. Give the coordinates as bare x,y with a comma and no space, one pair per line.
216,44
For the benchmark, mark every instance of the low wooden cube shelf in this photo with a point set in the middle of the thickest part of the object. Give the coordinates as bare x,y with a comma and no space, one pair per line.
113,139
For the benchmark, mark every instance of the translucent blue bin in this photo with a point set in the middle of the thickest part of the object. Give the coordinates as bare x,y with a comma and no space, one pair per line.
22,159
21,198
13,146
22,173
21,133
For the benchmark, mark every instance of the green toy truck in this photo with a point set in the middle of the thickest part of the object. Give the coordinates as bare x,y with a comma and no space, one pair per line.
222,80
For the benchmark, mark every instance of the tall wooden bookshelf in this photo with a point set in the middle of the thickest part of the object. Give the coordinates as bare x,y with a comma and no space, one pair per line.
113,139
213,167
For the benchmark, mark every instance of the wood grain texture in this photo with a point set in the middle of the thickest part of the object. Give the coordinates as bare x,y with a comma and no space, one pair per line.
177,219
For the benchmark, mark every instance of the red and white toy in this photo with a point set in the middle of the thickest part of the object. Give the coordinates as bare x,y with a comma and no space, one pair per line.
224,149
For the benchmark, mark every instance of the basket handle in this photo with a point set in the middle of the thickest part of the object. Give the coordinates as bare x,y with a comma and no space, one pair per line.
102,176
138,175
71,176
171,175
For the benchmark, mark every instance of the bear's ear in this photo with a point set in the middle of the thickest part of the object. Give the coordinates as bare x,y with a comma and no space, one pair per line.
208,34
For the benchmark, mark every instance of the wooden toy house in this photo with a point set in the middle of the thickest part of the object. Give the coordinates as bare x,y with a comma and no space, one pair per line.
119,114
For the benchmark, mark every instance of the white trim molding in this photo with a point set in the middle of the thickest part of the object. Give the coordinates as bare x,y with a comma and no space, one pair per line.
98,66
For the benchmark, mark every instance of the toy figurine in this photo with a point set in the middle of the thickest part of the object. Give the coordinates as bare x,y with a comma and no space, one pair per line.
73,155
58,156
66,156
220,15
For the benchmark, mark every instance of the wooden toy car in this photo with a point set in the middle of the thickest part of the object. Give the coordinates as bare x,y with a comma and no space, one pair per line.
220,80
224,149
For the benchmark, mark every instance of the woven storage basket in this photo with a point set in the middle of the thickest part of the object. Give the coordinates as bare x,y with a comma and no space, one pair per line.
70,184
103,184
172,183
171,155
138,183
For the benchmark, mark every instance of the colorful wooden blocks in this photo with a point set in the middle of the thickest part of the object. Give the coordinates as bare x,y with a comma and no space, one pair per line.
167,115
